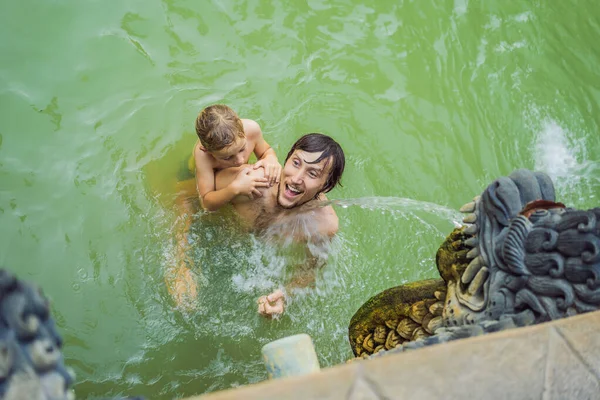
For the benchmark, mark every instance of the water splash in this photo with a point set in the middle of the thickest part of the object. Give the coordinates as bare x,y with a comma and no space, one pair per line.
556,153
263,271
563,156
404,205
305,227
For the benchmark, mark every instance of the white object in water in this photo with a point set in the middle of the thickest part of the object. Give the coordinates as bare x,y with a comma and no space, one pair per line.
290,356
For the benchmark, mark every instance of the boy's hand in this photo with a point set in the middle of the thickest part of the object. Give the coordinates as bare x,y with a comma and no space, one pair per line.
248,185
272,169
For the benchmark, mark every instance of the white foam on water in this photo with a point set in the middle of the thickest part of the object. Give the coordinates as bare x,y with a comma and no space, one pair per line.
554,154
264,271
563,156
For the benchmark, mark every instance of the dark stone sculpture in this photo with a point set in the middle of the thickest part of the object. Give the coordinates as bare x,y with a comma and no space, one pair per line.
522,259
31,362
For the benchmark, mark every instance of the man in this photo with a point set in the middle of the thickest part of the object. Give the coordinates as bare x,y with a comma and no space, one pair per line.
293,209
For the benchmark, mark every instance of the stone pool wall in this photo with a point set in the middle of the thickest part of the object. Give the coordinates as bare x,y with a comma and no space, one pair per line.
552,361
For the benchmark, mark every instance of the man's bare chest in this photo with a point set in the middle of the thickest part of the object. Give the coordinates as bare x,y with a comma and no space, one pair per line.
259,213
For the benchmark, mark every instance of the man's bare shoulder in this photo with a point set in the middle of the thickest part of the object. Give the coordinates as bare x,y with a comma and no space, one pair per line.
224,177
328,220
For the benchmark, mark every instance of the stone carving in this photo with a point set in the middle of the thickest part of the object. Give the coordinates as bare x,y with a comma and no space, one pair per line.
31,362
522,259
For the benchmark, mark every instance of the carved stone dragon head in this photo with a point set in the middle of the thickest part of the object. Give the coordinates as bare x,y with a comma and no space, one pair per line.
529,257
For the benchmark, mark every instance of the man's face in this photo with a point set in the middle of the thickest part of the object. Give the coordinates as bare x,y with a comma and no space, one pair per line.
301,180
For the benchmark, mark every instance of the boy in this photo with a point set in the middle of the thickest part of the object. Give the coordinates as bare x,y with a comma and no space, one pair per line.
226,141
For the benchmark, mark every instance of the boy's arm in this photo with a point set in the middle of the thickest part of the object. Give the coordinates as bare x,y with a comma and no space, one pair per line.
265,154
212,199
228,177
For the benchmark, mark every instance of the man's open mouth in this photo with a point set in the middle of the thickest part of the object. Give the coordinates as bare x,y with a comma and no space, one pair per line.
292,191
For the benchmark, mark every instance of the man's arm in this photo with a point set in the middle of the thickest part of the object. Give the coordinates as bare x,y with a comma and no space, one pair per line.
318,242
304,275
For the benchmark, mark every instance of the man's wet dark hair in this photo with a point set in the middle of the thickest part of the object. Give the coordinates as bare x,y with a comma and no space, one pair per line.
316,143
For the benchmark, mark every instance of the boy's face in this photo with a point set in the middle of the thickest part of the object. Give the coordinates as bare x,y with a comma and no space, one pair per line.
232,155
300,180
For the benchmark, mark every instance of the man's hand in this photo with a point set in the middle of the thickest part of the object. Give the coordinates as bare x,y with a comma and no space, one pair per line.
272,169
248,185
272,305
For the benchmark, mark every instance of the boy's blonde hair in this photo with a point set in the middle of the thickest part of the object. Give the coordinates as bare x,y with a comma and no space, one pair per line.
218,126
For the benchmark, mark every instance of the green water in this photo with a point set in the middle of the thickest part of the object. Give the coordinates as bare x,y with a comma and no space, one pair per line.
431,100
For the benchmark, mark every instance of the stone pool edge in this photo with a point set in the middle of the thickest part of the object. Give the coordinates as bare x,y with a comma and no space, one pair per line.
554,360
